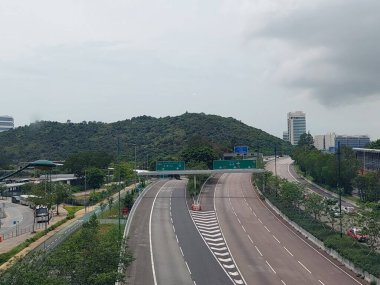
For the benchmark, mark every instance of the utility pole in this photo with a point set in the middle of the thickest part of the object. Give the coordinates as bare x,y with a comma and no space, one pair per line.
340,192
118,160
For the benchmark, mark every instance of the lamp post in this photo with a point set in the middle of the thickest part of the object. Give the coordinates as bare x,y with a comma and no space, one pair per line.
340,192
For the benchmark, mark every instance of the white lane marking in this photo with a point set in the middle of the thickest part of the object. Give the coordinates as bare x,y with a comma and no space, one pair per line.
222,254
235,213
238,281
270,267
235,273
238,220
216,244
243,228
173,228
171,219
213,224
180,248
282,281
211,235
225,259
321,282
209,232
150,236
208,228
304,266
220,249
266,228
194,282
188,268
276,239
207,222
258,251
288,251
250,239
176,238
260,220
229,266
213,239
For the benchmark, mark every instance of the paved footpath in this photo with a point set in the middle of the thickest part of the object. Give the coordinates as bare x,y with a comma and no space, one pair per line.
37,243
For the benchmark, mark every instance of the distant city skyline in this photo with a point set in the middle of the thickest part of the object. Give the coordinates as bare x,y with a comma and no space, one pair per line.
250,60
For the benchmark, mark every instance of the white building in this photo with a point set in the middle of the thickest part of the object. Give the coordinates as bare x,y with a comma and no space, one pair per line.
324,142
6,123
285,136
296,126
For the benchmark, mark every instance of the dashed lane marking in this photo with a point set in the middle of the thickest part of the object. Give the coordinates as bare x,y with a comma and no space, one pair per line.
304,266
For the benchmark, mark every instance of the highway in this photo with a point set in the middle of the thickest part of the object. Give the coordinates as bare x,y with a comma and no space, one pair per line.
285,169
165,243
235,239
266,250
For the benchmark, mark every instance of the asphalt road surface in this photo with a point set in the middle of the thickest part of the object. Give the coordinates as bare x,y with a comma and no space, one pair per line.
266,250
165,243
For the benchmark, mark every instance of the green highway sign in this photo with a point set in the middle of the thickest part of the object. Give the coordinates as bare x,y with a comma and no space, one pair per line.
170,165
234,164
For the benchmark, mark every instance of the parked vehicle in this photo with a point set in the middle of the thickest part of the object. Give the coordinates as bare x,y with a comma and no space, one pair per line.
356,233
41,213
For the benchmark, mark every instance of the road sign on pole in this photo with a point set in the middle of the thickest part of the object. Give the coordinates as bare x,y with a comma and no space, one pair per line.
242,150
170,165
234,164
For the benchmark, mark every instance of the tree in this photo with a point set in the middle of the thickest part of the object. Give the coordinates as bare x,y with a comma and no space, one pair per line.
369,220
128,200
61,193
368,186
291,193
95,177
79,162
3,188
306,141
124,171
314,205
199,150
374,144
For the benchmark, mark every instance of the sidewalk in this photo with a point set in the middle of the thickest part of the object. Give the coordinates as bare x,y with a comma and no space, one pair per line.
10,243
35,244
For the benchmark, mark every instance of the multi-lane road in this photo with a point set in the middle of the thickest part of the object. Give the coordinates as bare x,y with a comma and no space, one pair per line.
284,168
235,239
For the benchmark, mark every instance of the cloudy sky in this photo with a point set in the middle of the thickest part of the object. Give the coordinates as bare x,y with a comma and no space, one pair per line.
254,60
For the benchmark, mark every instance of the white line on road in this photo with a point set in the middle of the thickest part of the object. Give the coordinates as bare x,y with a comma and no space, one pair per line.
171,219
238,220
150,236
176,238
180,248
260,221
270,267
276,239
282,281
244,229
304,266
173,228
250,239
188,268
266,228
321,282
288,251
254,213
258,251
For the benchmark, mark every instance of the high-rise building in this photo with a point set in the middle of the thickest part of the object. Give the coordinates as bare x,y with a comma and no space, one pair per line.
296,126
6,123
325,142
285,136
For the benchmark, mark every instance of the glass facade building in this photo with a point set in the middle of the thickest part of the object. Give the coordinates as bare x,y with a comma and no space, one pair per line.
6,123
296,126
352,141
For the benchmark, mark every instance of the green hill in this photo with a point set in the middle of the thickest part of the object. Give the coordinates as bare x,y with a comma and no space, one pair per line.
155,138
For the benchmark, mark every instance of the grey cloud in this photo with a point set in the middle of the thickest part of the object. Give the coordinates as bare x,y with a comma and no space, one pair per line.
334,49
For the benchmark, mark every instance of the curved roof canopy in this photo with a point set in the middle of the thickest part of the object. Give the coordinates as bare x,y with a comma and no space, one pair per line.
42,164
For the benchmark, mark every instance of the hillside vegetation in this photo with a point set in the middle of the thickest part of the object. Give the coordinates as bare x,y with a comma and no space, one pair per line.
154,138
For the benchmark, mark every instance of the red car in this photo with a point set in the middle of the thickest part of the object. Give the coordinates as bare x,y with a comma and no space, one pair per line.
356,233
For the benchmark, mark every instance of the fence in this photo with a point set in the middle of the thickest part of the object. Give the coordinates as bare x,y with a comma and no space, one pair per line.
18,231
